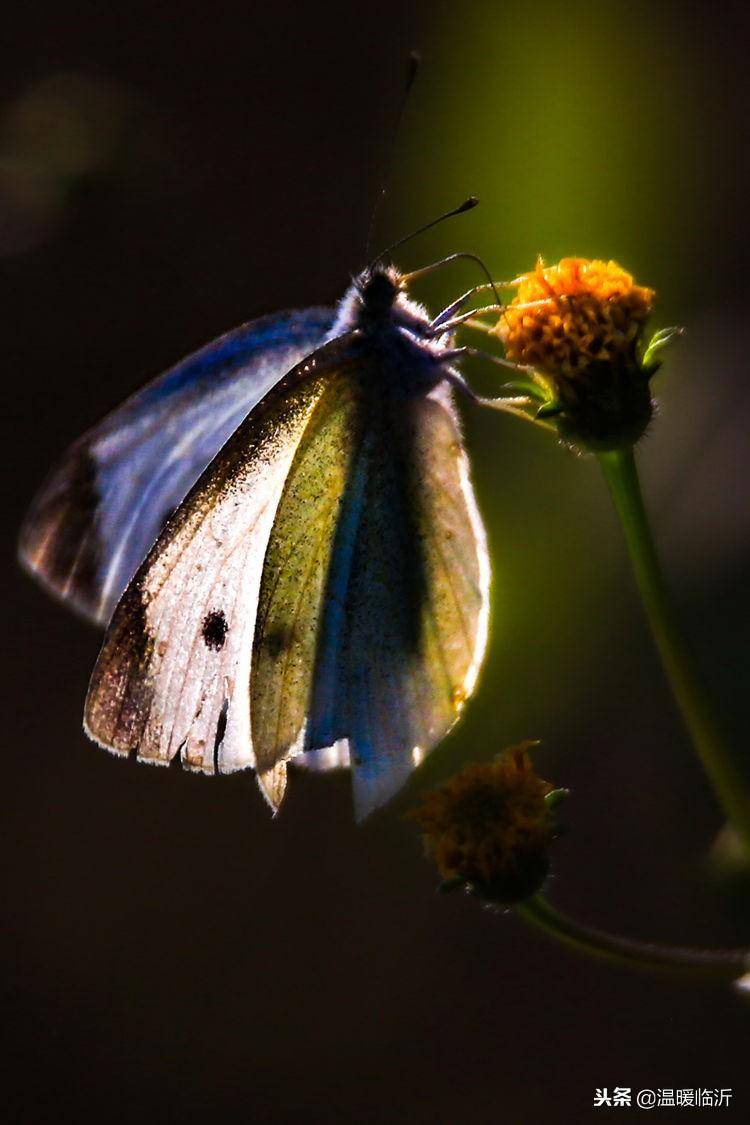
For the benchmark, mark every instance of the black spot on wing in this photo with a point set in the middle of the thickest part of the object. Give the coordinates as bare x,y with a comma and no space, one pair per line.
215,629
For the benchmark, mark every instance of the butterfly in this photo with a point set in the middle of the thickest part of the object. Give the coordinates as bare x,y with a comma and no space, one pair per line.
283,531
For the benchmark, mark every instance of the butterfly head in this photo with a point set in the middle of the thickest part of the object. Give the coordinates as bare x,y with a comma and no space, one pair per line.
376,303
378,290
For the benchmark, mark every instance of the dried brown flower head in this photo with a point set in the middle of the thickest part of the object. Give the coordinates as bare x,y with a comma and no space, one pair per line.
490,826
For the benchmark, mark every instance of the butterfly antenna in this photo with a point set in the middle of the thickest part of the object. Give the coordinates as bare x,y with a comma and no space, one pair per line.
411,74
467,205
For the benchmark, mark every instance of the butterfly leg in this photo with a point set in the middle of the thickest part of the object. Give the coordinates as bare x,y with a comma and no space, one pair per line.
525,397
455,307
450,311
445,322
522,406
528,383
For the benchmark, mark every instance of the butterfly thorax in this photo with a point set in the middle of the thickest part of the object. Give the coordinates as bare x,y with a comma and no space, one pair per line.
377,308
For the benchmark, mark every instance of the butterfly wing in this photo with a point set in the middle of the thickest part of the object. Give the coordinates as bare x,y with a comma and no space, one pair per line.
373,605
173,674
325,583
95,518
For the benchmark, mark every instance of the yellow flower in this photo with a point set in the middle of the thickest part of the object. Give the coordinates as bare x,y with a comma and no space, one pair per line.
578,312
579,324
490,826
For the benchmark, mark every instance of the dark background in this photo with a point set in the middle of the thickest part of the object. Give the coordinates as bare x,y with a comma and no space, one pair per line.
171,954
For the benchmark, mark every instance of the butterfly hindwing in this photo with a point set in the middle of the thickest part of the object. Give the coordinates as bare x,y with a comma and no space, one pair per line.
373,602
101,509
417,603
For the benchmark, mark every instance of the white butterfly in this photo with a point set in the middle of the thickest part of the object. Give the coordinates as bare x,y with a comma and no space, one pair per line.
317,588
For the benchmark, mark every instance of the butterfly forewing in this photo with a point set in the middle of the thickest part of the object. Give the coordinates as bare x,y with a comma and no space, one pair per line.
95,518
174,671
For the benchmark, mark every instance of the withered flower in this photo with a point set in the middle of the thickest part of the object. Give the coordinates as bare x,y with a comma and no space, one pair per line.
490,826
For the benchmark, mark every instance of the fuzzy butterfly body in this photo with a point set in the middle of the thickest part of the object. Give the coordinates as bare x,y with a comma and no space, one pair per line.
320,593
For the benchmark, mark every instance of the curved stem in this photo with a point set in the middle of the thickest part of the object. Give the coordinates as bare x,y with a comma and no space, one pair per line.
728,781
722,964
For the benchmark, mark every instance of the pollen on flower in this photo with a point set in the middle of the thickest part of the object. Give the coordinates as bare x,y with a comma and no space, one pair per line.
567,316
489,827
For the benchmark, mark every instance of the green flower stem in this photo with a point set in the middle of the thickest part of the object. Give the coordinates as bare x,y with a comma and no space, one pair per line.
719,964
727,779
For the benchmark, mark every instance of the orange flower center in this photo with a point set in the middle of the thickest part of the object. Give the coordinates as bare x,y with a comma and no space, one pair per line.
565,317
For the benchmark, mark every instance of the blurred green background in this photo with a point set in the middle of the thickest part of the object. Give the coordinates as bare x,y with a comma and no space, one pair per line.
172,954
608,131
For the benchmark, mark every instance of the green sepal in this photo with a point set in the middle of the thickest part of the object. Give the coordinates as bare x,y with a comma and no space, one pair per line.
555,798
524,387
650,364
